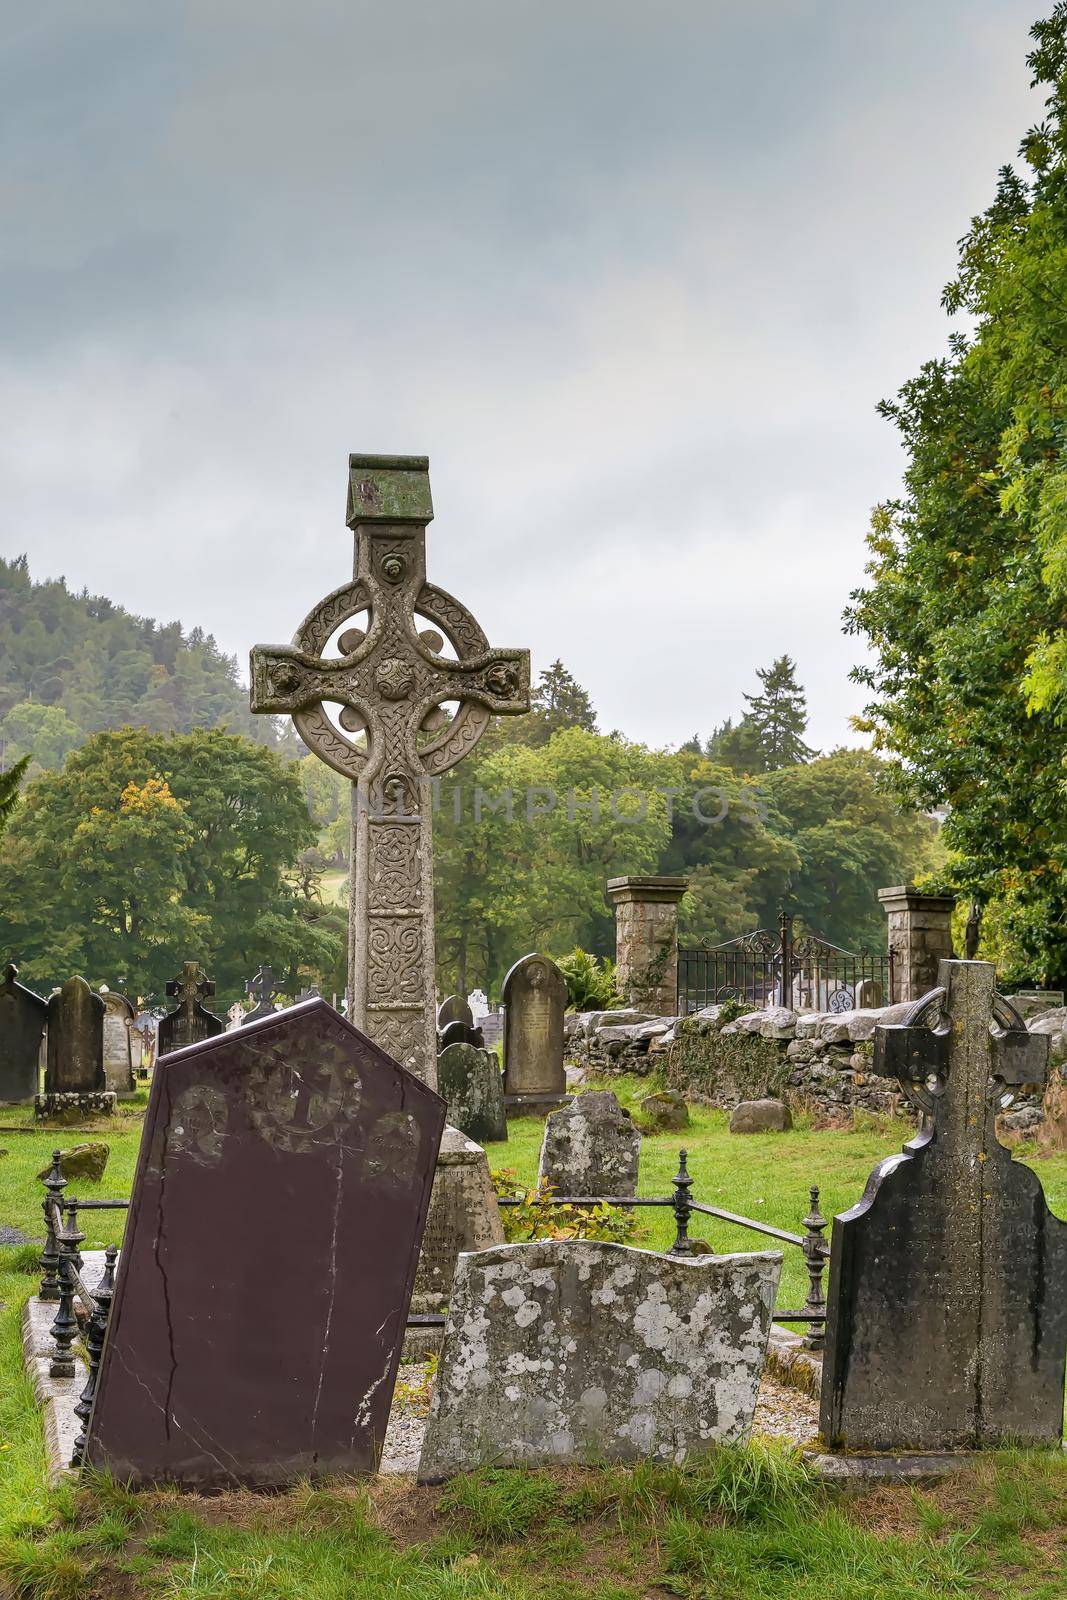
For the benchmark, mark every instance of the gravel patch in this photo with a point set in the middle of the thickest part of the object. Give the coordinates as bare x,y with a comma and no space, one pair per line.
781,1413
13,1235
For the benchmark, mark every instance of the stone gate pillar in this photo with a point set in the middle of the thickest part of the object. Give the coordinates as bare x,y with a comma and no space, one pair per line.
920,935
646,941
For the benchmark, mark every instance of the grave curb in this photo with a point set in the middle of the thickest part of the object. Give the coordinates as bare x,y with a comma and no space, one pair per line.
56,1397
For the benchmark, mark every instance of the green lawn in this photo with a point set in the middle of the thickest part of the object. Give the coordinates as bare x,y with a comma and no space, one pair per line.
752,1525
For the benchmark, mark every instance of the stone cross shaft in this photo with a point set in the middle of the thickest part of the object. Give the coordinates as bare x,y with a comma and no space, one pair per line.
390,683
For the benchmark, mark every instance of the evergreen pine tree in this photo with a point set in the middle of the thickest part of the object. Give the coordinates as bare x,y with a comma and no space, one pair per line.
779,716
10,783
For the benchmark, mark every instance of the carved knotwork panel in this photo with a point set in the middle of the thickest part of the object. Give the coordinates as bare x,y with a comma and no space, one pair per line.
401,1034
395,970
395,870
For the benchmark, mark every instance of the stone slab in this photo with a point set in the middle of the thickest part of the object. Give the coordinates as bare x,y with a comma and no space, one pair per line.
471,1081
535,999
562,1352
590,1146
270,1251
22,1021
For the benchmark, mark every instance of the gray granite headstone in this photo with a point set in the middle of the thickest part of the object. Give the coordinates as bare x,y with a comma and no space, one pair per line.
22,1021
590,1146
562,1352
119,1013
535,998
470,1080
947,1302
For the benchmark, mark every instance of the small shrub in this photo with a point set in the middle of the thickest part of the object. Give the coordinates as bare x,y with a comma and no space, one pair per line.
590,981
538,1218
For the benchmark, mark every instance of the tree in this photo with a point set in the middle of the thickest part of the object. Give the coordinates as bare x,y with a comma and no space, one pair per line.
964,605
10,786
44,733
770,733
147,850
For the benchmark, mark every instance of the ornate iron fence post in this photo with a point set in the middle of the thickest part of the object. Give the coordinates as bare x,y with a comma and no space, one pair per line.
65,1326
54,1184
682,1245
94,1348
816,1251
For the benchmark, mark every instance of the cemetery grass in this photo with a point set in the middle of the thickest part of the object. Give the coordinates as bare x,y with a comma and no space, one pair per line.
750,1525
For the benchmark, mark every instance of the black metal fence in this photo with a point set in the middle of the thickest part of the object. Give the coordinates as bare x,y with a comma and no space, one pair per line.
63,1284
768,967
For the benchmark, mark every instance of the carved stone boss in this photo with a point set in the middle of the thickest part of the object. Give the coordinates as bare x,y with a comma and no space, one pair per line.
392,735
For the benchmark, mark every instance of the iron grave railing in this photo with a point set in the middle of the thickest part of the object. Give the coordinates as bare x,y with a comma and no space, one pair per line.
764,968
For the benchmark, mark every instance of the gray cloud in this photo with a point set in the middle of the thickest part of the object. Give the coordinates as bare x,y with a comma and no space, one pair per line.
634,275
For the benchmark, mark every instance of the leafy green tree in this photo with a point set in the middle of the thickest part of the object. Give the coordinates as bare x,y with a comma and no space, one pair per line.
964,608
44,733
10,786
149,849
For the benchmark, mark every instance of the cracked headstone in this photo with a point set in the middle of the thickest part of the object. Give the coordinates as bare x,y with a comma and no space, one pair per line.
268,1260
565,1352
947,1301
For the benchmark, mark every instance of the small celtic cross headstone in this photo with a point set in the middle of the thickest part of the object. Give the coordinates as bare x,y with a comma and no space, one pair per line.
947,1307
263,990
190,1021
391,683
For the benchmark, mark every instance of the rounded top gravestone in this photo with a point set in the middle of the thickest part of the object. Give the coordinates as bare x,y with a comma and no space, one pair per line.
22,1018
454,1009
75,1040
535,998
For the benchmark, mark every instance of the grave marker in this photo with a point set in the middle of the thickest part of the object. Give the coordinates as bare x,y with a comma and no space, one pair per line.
947,1306
263,990
190,1021
23,1015
454,1009
119,1013
590,1146
535,998
270,1252
392,735
562,1352
74,1082
470,1080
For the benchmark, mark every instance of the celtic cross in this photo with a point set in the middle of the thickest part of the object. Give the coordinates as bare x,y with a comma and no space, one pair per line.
190,986
390,732
190,1021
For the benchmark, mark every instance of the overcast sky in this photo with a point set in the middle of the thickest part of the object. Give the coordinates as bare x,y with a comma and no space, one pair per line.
633,273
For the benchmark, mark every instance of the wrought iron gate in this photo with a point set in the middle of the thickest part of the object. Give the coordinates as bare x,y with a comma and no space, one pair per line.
767,968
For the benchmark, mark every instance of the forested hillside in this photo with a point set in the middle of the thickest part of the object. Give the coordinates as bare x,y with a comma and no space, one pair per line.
73,664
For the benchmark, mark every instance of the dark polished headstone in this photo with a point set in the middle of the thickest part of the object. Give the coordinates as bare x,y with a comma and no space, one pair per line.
947,1305
190,1021
454,1008
269,1258
459,1032
22,1020
263,989
75,1063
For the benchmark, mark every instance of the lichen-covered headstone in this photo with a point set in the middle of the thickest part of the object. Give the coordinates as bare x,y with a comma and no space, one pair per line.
947,1302
562,1352
590,1146
471,1081
268,1261
463,1215
535,998
22,1020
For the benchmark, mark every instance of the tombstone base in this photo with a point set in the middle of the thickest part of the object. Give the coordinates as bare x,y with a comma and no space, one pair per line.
463,1216
533,1105
75,1107
916,1468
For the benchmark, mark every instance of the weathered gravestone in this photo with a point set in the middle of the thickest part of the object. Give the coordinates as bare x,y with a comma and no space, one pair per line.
74,1082
393,734
947,1305
471,1082
559,1352
590,1146
269,1257
119,1013
235,1016
263,991
23,1015
190,1021
454,1009
535,998
464,1215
